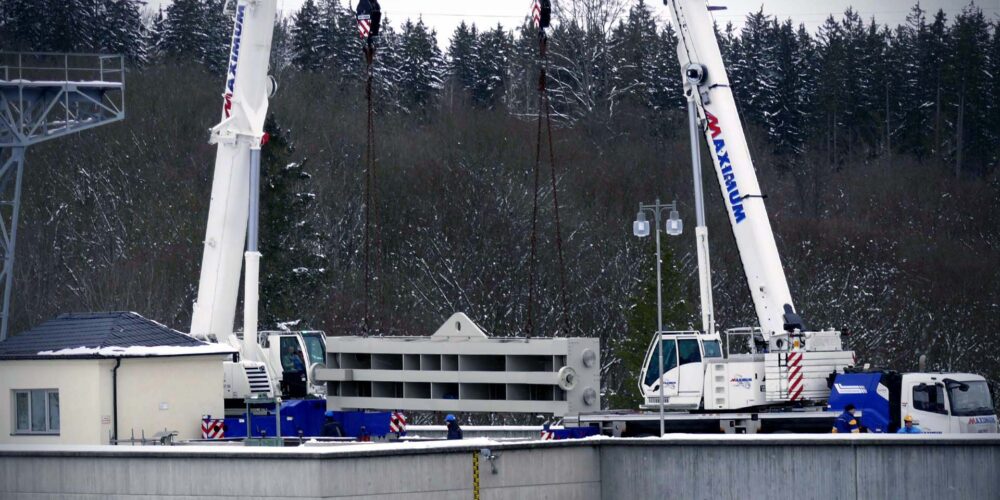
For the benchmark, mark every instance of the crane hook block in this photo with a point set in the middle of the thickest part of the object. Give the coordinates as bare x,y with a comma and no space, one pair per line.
545,14
541,13
370,11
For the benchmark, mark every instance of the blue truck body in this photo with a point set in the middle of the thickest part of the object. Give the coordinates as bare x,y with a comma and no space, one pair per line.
868,394
307,416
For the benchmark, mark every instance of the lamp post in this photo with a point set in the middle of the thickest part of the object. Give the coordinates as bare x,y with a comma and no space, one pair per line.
674,227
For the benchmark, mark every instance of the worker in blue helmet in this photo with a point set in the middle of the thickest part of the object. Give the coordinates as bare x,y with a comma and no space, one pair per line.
454,431
331,428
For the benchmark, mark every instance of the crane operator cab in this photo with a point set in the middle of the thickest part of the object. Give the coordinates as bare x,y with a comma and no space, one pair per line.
294,357
684,362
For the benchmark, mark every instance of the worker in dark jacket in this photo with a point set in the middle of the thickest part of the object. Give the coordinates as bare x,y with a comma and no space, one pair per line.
331,428
454,431
846,422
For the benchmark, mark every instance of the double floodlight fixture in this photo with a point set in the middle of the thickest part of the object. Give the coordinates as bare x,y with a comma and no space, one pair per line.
674,226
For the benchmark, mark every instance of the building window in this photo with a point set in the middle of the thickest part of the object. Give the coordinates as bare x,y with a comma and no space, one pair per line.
36,411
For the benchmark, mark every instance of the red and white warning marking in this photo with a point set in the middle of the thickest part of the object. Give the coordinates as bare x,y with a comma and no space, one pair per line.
794,375
212,429
397,422
548,435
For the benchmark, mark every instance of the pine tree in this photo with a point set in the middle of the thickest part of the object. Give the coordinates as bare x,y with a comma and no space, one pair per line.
421,66
859,95
831,72
806,59
784,113
281,46
641,318
293,262
634,53
463,58
155,35
183,36
218,20
667,86
24,26
122,31
339,42
388,80
306,34
753,68
729,46
969,83
993,124
932,53
490,77
71,25
914,117
522,94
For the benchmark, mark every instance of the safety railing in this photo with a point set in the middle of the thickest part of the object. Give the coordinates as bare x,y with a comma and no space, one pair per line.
45,95
61,67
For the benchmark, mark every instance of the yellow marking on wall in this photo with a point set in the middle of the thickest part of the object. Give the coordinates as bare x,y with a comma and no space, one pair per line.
475,476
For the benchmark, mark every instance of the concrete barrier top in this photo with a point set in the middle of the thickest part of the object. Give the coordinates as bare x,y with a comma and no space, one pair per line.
353,450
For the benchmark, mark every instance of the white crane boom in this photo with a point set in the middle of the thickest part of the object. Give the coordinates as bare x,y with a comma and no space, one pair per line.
238,137
701,60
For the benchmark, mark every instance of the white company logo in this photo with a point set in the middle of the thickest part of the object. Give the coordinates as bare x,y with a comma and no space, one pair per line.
851,389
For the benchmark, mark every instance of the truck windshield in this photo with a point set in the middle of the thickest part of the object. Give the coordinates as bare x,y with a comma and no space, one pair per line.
975,400
669,362
316,349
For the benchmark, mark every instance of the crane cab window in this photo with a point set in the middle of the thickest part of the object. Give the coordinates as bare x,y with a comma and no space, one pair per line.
929,398
712,349
688,351
291,355
669,361
316,348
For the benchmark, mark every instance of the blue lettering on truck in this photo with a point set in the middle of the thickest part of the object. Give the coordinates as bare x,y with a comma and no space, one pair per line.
234,58
726,168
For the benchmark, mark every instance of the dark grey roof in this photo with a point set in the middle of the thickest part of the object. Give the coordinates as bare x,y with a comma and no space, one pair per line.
95,330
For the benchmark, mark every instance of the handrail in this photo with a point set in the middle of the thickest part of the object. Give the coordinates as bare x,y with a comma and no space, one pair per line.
67,67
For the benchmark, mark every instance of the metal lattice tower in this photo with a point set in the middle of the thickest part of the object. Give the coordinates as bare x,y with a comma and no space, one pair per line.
44,96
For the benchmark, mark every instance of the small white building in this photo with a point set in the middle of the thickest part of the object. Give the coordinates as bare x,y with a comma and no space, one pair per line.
86,378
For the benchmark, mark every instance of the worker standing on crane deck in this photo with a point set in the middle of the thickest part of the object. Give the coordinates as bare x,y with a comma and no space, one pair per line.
454,431
846,422
908,427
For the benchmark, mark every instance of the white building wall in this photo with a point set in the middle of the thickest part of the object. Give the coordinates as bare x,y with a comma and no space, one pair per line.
80,401
170,393
153,394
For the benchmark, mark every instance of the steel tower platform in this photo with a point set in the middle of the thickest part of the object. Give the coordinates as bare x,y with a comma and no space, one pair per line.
44,96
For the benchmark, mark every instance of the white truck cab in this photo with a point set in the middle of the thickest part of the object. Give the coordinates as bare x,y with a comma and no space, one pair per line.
948,403
684,363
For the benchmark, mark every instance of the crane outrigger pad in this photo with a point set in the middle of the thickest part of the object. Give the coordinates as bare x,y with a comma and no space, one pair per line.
461,369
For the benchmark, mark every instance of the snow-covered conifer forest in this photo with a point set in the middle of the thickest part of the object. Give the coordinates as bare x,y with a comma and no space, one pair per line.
877,147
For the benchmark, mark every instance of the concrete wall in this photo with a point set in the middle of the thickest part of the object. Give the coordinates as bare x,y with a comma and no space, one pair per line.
153,394
81,406
168,393
822,467
735,467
